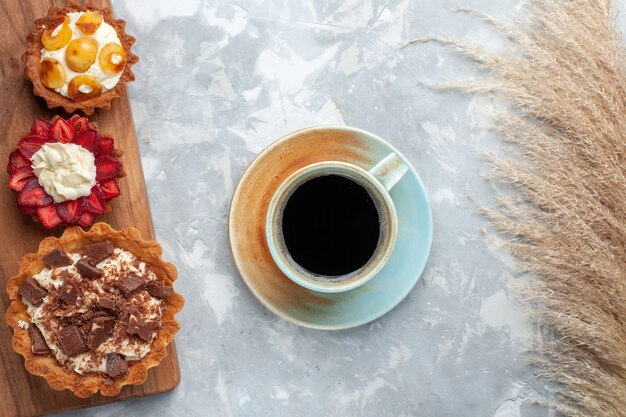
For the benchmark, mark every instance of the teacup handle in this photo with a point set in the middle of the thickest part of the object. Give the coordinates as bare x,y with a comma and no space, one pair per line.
390,170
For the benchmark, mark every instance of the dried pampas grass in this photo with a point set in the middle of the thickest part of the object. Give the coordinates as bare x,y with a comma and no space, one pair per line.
563,211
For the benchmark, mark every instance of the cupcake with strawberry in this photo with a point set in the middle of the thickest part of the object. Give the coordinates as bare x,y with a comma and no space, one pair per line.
65,172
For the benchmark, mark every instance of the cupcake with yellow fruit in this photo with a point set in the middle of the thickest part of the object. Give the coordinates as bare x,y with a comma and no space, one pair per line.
79,58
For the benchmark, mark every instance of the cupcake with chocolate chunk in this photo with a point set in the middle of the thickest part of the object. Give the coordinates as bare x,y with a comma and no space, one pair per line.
93,311
79,58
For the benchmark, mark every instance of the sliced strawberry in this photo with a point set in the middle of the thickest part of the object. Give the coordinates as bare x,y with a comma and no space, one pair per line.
88,139
33,194
30,144
70,211
94,203
27,209
110,189
48,216
78,123
86,219
106,146
17,161
61,131
40,127
107,167
20,178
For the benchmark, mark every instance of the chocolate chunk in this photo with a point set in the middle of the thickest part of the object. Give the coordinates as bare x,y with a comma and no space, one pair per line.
130,284
74,319
105,321
120,330
85,328
102,329
107,303
31,291
57,258
159,290
69,294
114,303
98,252
71,341
87,270
116,365
147,333
39,345
135,323
94,313
137,326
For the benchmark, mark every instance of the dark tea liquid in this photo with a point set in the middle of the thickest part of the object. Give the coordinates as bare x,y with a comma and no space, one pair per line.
331,225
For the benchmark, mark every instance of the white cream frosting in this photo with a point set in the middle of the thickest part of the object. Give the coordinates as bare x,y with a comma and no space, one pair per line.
65,170
132,350
104,35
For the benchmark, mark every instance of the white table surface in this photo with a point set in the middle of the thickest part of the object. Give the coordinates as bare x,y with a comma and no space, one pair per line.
220,80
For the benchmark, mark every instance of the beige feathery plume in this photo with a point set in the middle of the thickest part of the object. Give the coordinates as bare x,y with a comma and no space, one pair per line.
563,208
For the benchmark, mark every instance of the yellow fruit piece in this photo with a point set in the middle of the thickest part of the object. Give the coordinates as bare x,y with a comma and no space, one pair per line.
53,74
112,58
83,87
81,53
89,22
59,39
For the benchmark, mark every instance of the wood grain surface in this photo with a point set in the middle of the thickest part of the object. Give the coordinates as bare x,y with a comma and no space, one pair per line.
22,394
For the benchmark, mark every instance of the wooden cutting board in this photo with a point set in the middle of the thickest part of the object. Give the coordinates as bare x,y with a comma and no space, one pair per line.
22,394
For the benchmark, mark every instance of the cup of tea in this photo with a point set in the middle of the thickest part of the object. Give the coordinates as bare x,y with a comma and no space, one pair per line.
331,226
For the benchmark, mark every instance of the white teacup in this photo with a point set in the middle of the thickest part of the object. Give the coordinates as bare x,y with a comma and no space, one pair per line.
378,181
